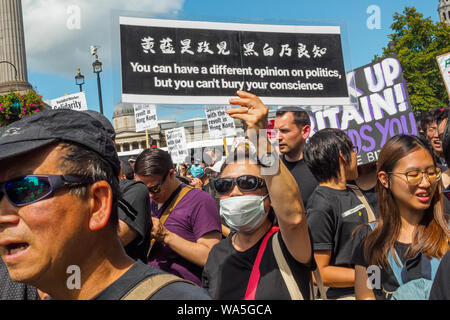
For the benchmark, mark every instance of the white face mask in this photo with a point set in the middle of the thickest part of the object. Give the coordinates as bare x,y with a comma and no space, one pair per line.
243,214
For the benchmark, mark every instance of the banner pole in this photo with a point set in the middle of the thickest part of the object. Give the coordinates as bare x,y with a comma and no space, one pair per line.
146,138
225,146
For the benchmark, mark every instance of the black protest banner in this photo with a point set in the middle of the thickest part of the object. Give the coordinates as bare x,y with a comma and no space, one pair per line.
191,62
384,109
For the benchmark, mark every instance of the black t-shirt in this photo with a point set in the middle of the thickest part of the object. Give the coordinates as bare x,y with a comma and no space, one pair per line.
305,179
441,284
446,202
332,216
389,283
10,290
134,210
227,272
140,271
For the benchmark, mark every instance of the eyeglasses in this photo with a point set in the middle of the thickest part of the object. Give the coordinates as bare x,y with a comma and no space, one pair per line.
157,188
244,183
415,177
432,130
30,189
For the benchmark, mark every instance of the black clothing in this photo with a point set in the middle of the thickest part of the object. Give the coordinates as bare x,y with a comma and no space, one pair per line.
10,290
227,272
446,201
138,272
332,217
441,284
305,179
389,283
134,210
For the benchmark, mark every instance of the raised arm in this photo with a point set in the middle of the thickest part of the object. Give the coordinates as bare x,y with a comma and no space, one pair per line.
283,189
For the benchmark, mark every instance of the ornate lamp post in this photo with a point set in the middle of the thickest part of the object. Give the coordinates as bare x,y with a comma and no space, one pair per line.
97,68
79,80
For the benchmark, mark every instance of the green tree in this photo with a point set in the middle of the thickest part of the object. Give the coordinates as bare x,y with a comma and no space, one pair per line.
417,42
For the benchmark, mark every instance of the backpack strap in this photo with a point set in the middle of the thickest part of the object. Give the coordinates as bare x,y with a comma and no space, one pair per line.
169,210
370,215
255,275
148,287
396,268
285,271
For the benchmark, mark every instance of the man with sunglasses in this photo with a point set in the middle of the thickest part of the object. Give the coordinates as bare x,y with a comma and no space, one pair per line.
59,190
186,222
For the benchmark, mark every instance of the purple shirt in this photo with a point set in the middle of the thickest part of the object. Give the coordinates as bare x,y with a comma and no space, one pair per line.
194,216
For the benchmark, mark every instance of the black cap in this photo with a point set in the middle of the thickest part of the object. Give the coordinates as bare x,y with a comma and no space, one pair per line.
49,126
104,121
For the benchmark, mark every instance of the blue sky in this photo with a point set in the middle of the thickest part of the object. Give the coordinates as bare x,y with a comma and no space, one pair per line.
55,51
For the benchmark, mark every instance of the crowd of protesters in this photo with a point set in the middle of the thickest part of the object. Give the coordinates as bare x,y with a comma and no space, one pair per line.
300,220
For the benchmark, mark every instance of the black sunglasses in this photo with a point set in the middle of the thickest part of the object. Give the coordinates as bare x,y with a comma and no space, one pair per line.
157,188
244,183
30,189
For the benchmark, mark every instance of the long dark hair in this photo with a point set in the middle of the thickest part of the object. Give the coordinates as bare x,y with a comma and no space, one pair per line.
431,235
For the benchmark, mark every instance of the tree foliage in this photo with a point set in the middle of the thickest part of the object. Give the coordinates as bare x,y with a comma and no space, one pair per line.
418,41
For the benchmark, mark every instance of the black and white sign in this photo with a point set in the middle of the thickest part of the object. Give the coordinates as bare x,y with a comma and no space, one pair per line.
75,102
176,145
220,124
145,116
192,62
384,109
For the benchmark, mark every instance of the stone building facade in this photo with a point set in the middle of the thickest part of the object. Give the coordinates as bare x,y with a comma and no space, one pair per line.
444,11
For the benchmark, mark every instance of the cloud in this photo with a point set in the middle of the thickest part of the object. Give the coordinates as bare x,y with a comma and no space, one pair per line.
59,33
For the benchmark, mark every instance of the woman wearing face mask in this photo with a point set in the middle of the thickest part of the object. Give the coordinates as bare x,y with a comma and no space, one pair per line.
244,266
402,250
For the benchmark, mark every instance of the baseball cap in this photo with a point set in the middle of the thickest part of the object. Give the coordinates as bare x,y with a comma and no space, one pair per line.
49,126
104,121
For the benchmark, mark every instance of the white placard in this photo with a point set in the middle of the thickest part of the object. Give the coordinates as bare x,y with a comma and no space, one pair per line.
176,144
75,102
220,124
444,65
145,117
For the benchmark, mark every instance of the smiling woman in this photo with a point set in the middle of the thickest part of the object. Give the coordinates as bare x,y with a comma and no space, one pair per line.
412,234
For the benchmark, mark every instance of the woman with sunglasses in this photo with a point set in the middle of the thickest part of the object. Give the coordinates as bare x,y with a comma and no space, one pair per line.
243,266
411,234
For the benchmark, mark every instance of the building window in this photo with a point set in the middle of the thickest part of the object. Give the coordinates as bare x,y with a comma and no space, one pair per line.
445,18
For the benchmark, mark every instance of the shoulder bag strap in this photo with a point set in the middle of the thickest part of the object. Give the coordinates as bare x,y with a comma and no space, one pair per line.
255,275
396,269
169,210
362,198
145,289
320,286
285,271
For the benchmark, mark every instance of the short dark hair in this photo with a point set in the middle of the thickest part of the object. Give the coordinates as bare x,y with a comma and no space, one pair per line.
425,121
153,162
82,161
322,153
127,170
301,117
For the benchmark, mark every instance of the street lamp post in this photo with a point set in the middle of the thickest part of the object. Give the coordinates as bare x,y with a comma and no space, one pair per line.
79,80
97,68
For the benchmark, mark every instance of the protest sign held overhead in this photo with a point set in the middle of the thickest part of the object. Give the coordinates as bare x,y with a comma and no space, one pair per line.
384,109
176,145
146,117
75,102
192,62
444,66
220,124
